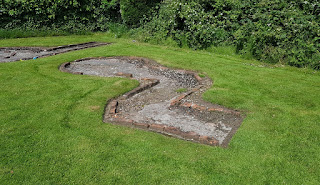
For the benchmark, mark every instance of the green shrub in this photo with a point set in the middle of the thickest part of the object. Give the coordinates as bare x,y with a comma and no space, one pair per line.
70,15
280,31
198,25
275,31
132,11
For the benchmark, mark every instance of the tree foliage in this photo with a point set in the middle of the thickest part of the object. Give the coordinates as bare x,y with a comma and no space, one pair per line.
275,31
70,14
132,11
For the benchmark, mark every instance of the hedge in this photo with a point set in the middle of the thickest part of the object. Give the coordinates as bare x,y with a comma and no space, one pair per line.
276,31
70,14
132,11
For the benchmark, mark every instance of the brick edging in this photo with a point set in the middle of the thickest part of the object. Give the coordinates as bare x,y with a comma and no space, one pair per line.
165,130
39,49
112,115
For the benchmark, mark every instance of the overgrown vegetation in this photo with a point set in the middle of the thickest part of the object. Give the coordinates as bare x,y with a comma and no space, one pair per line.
132,11
70,15
274,31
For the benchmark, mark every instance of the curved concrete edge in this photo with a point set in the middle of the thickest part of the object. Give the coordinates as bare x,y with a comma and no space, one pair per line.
111,114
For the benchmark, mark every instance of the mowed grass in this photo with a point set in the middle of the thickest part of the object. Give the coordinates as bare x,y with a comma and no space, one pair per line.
52,130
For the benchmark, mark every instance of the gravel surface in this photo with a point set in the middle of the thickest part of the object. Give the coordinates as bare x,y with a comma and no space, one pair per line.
152,105
12,54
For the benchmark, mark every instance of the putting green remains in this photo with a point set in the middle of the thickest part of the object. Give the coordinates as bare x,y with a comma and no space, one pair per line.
52,129
156,106
12,54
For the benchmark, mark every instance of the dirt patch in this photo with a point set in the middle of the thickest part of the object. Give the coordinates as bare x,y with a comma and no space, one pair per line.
11,54
158,104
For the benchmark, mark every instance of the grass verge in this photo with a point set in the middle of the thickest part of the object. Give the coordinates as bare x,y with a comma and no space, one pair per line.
52,130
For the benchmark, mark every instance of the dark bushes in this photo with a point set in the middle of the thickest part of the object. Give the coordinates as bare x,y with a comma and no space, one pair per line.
276,31
69,15
91,15
134,10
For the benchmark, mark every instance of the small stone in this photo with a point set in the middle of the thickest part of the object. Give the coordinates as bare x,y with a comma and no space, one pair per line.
114,103
141,125
128,75
173,130
157,127
215,109
124,122
112,111
198,77
203,139
198,107
190,135
208,140
186,104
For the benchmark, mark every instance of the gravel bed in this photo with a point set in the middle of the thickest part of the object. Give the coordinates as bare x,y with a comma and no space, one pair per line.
152,106
12,54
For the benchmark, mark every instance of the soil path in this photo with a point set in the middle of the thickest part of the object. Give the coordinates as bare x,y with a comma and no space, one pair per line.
167,101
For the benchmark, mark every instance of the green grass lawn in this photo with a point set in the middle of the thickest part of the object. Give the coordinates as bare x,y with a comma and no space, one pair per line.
52,130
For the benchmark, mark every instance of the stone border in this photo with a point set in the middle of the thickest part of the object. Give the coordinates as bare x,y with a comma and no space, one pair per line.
176,102
39,49
112,115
